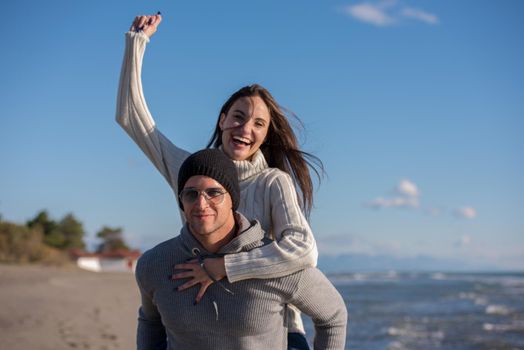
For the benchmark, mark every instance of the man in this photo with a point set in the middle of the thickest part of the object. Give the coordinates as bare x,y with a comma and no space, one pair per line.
247,314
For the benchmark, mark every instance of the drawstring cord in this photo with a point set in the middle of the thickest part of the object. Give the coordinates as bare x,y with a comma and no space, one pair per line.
201,258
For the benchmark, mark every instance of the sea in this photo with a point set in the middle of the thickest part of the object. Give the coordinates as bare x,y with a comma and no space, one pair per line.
427,311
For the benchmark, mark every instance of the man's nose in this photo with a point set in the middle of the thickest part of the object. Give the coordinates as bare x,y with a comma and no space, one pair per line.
201,201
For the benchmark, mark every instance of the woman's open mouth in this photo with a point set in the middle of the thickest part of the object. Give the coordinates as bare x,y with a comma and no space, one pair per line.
241,141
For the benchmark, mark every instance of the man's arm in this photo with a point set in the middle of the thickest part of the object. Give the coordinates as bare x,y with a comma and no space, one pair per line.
316,297
151,334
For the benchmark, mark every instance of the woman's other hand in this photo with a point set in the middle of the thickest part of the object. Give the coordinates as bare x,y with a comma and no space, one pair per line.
147,24
214,266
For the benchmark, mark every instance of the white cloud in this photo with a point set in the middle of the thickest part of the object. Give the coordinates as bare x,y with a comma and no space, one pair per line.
387,13
420,15
407,188
395,202
406,195
373,14
465,213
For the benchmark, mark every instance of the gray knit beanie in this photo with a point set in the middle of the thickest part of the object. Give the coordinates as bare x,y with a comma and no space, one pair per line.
215,164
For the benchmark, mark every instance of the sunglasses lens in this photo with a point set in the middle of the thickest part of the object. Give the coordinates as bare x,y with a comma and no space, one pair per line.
189,196
212,195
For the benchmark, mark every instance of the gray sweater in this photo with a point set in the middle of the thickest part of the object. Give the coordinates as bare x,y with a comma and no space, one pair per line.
252,318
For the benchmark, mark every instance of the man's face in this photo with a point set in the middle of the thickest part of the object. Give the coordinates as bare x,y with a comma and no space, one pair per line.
211,216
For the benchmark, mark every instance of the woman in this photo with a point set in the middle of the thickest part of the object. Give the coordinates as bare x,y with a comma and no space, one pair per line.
253,131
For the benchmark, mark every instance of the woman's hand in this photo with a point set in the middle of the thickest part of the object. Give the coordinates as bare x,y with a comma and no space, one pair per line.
147,24
214,266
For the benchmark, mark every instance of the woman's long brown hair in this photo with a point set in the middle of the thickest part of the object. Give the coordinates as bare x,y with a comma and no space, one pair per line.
280,148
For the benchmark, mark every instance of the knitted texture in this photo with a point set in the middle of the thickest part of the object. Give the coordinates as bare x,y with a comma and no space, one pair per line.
253,318
215,164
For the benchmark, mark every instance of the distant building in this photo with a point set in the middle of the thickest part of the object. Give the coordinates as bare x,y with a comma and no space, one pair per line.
117,261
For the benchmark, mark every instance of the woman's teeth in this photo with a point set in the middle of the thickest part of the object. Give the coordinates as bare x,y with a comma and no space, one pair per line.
241,140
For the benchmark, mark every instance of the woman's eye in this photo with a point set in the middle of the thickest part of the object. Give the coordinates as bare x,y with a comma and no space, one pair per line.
237,120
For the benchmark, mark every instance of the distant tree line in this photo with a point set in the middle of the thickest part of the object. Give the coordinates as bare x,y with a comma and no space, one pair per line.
64,234
43,239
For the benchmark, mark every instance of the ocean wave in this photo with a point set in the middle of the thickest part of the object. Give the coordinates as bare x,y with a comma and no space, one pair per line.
390,276
470,296
465,311
481,301
498,310
396,345
515,326
438,276
510,281
413,333
476,298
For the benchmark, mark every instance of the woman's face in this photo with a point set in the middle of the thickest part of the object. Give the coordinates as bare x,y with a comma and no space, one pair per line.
244,127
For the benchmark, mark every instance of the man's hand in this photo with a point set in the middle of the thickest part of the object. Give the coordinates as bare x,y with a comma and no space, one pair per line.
147,24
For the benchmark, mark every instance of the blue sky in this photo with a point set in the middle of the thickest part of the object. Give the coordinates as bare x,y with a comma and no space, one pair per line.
415,107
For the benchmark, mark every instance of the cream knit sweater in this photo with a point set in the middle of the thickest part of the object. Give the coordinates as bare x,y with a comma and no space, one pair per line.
267,194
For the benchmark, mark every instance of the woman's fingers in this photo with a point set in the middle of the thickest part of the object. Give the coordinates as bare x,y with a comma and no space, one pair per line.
196,274
152,25
142,21
148,24
154,20
188,266
182,275
193,270
158,19
134,25
202,291
187,285
138,23
206,281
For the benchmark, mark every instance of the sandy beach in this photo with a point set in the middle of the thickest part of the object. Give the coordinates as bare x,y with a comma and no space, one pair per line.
66,308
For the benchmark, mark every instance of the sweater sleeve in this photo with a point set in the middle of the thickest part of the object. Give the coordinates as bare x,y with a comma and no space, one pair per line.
151,333
294,247
134,117
316,297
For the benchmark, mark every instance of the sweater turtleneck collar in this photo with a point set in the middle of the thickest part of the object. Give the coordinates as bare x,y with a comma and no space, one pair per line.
248,168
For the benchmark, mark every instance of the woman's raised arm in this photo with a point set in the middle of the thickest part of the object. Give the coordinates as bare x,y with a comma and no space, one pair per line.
132,112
